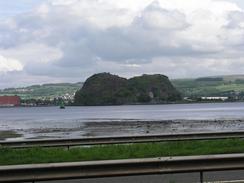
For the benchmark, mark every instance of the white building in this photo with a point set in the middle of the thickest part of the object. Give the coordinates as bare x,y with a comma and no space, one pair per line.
215,98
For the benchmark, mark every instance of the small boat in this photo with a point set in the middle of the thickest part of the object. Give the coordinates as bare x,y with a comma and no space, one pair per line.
62,106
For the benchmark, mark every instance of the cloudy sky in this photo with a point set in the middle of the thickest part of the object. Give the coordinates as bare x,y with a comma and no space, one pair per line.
48,41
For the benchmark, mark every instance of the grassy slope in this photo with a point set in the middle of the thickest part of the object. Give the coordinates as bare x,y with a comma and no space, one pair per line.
50,155
192,87
46,90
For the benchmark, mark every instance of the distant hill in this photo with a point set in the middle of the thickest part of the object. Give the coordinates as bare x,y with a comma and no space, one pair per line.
224,77
233,77
47,91
231,85
108,89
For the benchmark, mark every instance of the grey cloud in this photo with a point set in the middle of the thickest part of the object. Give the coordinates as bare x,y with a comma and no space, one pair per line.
234,35
235,18
87,48
81,43
154,17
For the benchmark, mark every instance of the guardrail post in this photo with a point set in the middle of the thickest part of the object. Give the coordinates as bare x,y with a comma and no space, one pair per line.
201,177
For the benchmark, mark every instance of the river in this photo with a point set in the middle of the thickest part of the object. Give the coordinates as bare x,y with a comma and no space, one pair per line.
52,122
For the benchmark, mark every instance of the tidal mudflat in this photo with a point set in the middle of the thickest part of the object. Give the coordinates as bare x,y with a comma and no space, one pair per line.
127,127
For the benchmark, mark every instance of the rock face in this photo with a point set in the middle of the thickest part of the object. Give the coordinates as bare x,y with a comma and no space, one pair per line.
108,89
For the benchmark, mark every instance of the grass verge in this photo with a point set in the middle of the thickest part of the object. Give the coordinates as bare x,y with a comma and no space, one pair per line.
108,152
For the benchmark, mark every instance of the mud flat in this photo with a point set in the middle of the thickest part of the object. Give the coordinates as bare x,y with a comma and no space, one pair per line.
115,128
125,127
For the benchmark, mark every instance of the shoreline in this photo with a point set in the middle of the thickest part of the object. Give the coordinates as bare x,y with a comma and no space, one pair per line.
131,104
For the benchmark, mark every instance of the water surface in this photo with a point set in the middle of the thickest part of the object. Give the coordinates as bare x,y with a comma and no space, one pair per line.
55,122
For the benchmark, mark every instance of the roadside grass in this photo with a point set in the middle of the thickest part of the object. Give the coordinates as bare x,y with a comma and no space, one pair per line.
107,152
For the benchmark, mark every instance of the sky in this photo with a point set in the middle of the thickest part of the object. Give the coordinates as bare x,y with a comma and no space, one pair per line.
50,41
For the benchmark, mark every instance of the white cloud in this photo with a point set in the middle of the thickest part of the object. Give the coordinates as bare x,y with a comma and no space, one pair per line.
28,53
75,38
9,64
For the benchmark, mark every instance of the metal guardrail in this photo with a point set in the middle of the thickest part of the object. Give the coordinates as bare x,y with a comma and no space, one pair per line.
114,168
120,139
231,181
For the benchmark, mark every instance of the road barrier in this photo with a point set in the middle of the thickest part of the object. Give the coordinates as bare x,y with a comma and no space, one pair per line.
120,139
114,168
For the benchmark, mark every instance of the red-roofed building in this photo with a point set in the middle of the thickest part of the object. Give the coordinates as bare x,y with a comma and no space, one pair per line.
9,101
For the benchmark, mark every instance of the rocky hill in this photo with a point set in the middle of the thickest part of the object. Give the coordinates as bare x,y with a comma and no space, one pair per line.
108,89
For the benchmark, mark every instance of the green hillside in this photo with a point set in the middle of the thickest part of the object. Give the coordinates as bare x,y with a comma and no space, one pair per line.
47,91
229,86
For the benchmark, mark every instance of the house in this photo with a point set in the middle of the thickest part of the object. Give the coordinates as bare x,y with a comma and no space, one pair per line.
9,101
